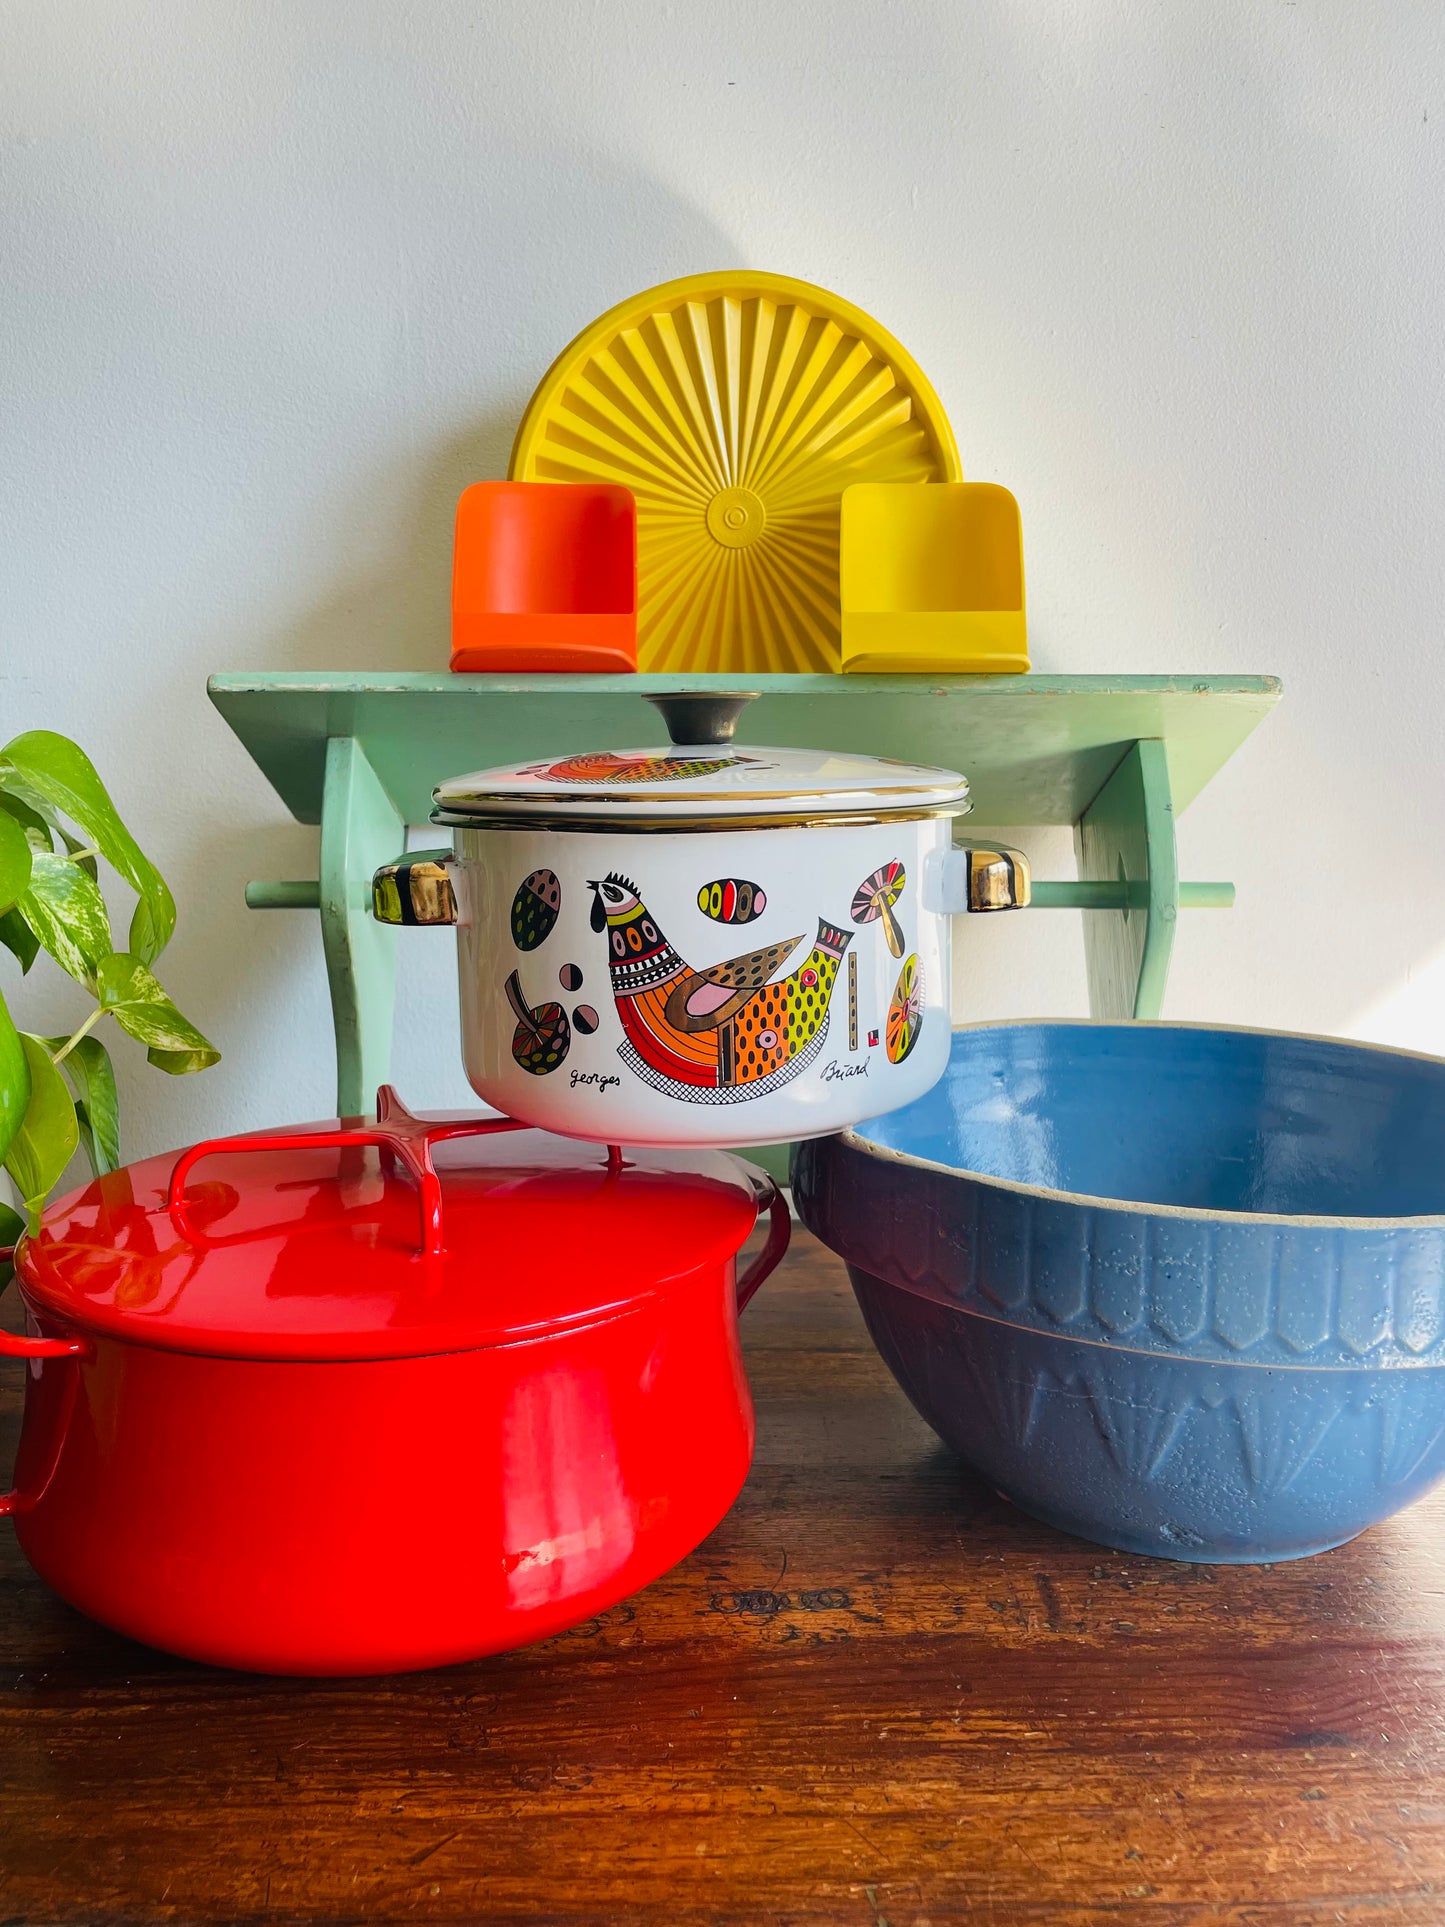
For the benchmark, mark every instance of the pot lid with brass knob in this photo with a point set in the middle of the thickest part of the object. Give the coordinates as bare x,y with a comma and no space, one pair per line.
702,776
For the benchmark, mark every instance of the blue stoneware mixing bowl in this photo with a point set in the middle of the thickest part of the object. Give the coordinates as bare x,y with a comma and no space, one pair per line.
1175,1288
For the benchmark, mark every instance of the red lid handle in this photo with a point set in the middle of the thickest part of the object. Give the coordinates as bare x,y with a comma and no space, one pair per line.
395,1129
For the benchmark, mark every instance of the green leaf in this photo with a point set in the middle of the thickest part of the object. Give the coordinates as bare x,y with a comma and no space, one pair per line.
14,1080
42,825
14,861
180,1063
67,913
48,769
32,821
97,1108
16,935
143,1010
12,1229
48,1135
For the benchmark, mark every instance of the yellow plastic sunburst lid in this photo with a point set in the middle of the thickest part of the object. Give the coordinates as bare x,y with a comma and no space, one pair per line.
737,407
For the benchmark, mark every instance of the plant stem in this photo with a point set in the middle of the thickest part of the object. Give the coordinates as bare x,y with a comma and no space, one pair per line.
70,1043
83,856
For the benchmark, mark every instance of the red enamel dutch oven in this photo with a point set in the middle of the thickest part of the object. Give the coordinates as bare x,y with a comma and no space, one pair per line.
332,1404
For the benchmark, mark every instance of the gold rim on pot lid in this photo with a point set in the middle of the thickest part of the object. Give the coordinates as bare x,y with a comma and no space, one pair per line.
701,774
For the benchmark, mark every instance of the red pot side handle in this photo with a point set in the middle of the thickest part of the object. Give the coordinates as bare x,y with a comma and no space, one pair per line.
13,1345
780,1232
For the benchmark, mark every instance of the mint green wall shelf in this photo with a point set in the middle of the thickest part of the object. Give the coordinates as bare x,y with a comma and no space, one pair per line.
1115,756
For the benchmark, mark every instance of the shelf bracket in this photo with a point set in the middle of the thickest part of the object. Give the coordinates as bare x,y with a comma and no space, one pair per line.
1126,837
360,829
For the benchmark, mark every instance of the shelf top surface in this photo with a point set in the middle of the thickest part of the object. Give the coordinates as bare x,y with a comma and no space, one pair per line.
1036,749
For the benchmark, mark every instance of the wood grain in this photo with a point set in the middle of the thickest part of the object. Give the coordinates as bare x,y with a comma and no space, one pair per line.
876,1695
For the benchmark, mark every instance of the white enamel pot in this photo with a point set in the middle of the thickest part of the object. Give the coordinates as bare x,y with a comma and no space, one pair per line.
702,944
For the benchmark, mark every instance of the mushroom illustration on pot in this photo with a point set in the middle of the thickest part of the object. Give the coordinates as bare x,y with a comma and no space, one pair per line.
874,899
542,1037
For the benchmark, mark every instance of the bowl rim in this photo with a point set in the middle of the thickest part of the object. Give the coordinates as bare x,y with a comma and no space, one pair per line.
1196,1214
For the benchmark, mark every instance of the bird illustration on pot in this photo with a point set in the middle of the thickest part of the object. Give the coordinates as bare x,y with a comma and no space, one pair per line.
717,1035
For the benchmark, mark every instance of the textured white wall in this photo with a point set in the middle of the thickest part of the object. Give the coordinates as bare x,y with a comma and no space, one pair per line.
279,277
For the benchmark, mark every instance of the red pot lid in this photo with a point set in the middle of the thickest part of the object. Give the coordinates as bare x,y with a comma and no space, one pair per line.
327,1243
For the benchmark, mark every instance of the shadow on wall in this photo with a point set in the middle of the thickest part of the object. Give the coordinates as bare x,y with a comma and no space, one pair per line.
557,269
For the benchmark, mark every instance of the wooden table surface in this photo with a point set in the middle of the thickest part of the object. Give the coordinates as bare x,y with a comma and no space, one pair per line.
876,1695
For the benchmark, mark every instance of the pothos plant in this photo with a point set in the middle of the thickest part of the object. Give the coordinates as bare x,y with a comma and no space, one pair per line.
57,824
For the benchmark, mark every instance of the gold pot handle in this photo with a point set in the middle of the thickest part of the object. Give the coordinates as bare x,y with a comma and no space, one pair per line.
417,888
997,879
970,878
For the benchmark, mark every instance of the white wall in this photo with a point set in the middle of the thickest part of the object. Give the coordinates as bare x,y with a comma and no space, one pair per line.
279,275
